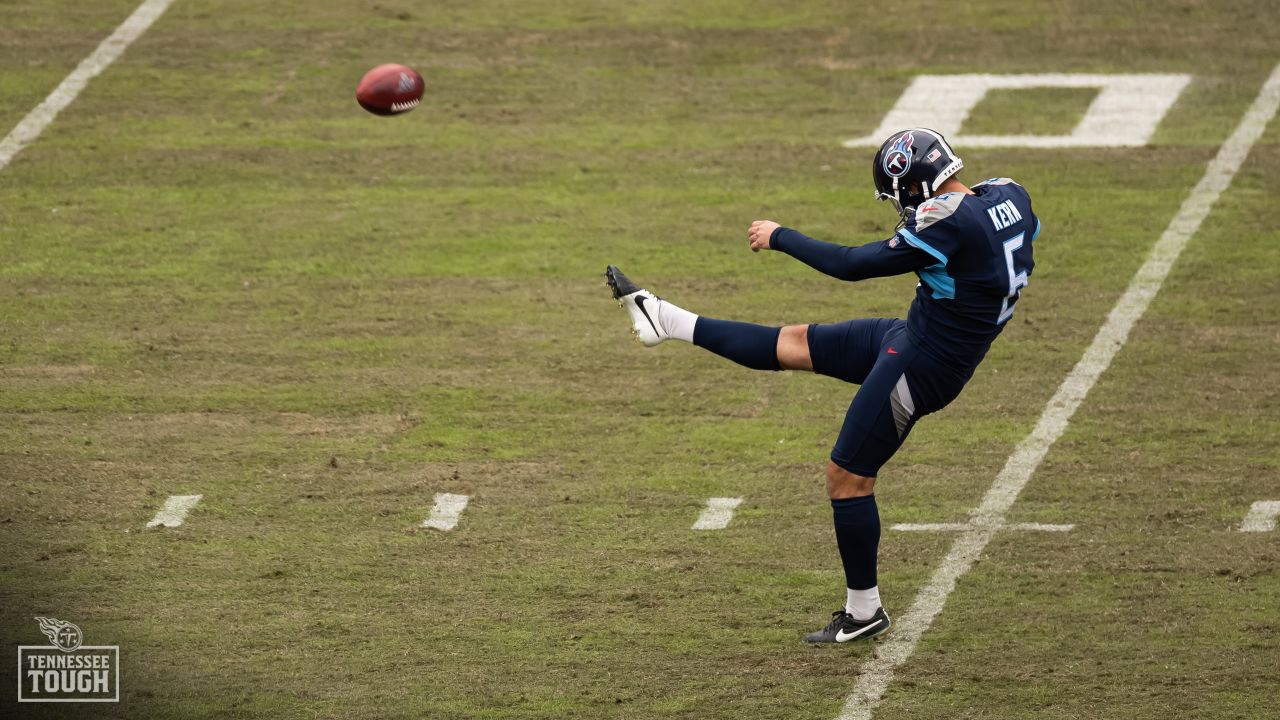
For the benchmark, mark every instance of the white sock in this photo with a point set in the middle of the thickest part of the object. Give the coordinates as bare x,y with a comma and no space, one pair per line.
862,604
678,322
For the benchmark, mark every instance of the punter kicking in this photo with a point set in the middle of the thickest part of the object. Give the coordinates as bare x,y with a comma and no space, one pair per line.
971,248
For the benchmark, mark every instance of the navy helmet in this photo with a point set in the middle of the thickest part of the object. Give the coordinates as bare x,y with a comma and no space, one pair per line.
910,167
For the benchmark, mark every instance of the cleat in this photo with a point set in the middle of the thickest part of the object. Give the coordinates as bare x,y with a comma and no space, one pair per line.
642,304
843,628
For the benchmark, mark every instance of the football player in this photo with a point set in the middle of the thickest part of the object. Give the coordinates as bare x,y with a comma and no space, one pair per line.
970,247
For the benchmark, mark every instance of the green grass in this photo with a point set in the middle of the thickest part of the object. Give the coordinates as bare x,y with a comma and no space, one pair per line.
1032,111
221,277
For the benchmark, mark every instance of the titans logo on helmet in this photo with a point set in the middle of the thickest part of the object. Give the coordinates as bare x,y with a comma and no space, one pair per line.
898,160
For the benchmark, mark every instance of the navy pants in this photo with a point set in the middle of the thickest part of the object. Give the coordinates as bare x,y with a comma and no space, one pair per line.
900,384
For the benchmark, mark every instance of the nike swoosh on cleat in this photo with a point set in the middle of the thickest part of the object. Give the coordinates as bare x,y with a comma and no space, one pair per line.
842,636
640,304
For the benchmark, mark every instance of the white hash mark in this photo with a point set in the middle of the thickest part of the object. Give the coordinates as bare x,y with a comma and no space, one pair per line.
175,510
717,514
1261,517
446,512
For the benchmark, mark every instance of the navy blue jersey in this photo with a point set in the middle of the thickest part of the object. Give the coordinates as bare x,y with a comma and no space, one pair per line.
971,252
981,245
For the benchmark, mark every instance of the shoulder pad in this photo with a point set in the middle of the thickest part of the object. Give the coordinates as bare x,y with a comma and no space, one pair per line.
937,209
997,181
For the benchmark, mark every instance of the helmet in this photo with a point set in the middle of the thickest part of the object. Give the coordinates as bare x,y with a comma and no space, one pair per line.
917,157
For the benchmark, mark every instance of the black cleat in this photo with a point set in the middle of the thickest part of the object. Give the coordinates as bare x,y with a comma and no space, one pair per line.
619,283
843,628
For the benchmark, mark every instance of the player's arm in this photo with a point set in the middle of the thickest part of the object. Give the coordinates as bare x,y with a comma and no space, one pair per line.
876,259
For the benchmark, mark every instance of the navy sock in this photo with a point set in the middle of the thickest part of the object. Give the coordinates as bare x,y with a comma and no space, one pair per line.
858,537
755,346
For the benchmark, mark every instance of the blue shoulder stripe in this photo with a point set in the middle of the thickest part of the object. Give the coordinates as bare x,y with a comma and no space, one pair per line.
916,242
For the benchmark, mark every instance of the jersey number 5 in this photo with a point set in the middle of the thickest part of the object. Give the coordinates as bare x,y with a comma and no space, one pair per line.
1017,280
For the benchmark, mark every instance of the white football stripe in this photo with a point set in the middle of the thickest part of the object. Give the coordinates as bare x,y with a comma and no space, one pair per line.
30,127
175,510
1261,517
1043,527
717,514
878,671
955,527
447,511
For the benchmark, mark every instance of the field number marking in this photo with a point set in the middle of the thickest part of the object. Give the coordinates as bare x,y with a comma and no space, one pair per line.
174,511
30,127
446,512
1261,517
877,671
1125,112
717,514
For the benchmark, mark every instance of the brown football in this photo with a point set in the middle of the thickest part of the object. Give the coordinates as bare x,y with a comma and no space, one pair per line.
390,89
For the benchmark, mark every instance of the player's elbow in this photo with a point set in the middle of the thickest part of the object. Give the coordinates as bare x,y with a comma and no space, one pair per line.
853,274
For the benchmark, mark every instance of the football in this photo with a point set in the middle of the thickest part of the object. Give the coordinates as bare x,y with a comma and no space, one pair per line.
390,89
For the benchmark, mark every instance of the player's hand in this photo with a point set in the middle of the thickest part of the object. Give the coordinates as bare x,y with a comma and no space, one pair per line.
759,234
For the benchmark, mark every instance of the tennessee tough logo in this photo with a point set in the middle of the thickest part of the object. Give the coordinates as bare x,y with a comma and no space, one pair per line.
898,160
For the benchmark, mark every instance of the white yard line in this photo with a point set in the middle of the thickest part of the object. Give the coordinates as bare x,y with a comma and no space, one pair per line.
1261,517
717,514
878,671
448,509
26,131
175,510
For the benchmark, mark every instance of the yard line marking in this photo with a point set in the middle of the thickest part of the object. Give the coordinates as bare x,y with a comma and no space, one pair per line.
26,131
447,510
717,514
1261,517
174,511
878,671
951,527
1042,527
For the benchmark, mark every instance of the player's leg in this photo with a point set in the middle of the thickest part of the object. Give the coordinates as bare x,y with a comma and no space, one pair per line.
876,424
759,347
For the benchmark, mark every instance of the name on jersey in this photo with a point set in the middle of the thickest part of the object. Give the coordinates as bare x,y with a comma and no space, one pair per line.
1004,214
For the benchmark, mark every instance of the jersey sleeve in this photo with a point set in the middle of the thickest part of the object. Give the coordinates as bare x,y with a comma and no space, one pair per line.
876,259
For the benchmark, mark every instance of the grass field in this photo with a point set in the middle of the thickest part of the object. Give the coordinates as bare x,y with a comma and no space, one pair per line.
220,277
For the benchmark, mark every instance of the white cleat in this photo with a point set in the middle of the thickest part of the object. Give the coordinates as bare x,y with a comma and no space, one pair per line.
642,304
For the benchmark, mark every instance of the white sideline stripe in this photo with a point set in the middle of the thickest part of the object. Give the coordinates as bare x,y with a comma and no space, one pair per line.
878,671
174,511
946,527
1261,517
717,514
447,510
26,131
